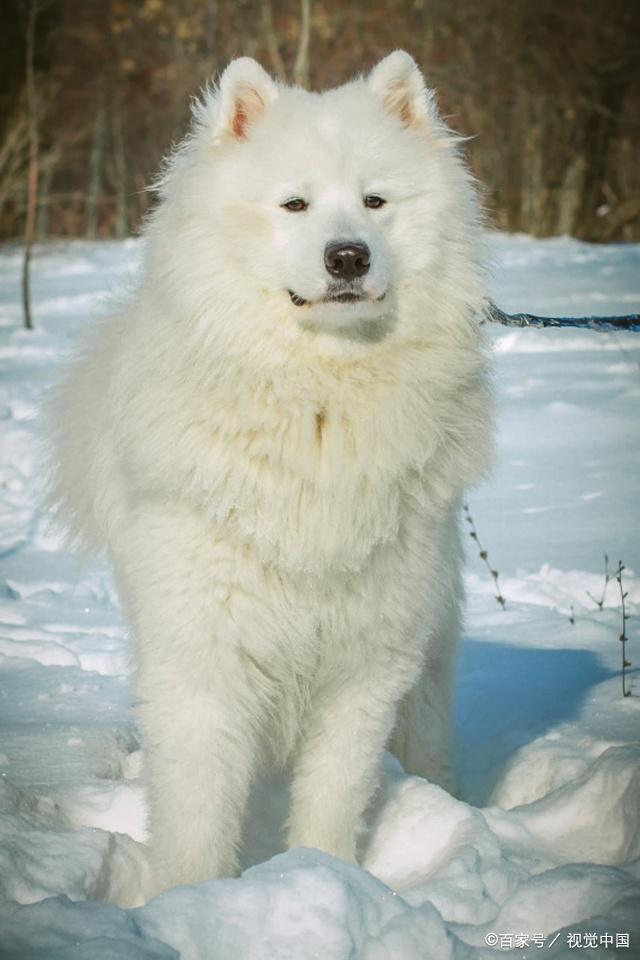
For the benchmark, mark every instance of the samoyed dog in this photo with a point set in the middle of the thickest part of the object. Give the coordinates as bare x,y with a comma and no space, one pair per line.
271,438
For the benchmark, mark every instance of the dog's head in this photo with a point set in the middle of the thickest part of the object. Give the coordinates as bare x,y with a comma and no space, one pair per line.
329,208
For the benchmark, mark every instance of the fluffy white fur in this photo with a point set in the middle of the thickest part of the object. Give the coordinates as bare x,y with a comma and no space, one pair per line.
278,486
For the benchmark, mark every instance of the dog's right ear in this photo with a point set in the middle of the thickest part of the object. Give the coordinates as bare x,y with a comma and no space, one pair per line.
245,92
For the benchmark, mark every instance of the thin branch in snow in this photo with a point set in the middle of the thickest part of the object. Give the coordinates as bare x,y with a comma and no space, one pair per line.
623,636
482,553
607,578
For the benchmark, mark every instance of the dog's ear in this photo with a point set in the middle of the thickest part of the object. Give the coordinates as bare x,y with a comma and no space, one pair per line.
245,92
398,82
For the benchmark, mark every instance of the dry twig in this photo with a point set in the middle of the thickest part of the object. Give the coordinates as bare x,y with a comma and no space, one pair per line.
482,553
623,636
607,578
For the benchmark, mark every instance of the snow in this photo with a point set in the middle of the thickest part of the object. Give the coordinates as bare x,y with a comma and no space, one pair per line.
543,844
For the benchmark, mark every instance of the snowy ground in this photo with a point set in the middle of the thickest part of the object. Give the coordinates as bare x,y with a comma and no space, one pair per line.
543,845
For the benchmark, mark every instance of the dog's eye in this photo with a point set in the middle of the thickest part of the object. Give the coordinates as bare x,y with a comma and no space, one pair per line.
296,205
373,201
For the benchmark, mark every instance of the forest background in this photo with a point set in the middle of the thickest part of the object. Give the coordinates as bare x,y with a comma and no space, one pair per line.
94,93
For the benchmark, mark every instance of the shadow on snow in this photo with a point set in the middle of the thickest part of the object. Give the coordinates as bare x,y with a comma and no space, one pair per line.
506,697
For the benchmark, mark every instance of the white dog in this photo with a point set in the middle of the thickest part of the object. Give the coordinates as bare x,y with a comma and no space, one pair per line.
272,438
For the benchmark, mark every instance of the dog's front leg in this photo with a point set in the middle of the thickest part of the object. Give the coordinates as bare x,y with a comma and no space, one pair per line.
338,761
197,707
198,760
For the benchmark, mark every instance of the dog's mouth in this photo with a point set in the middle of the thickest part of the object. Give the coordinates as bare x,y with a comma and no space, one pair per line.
345,296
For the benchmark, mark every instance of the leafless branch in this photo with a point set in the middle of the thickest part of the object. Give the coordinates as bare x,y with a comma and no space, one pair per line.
623,636
482,553
607,578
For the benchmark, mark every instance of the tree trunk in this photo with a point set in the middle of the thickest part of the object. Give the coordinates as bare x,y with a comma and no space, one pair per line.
213,15
96,165
121,228
32,167
44,197
271,38
13,150
301,66
569,196
599,132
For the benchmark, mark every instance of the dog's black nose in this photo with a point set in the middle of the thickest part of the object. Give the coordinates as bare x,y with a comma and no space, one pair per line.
347,260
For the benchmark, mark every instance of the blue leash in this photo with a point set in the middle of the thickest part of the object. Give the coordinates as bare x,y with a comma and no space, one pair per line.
630,323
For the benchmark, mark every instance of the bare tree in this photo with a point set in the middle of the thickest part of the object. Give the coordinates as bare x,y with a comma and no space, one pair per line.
548,93
271,39
32,166
13,150
301,65
96,167
48,163
120,169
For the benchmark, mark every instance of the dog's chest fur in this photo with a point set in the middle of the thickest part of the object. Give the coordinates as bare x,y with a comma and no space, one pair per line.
312,475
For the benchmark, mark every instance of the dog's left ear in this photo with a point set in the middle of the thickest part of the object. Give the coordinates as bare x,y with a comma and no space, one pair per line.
245,92
397,80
